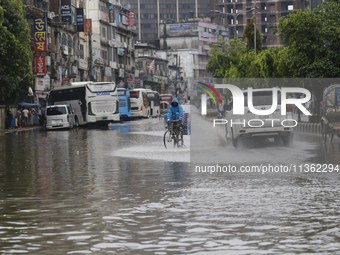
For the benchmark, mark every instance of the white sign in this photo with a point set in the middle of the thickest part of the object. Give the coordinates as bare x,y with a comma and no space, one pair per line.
42,83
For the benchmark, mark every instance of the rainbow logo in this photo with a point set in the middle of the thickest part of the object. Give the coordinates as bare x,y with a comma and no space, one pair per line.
204,97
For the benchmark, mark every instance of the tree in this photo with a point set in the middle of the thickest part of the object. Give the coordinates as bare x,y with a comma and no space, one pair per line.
15,52
249,34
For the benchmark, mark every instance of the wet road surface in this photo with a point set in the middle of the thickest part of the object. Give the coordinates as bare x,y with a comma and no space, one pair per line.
100,191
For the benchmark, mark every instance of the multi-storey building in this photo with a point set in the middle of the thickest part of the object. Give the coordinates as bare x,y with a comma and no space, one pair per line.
268,13
150,13
191,41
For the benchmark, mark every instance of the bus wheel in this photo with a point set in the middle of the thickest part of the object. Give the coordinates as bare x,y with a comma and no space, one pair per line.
76,122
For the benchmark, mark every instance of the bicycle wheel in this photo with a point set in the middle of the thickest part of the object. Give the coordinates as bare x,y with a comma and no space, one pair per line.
167,140
175,139
180,141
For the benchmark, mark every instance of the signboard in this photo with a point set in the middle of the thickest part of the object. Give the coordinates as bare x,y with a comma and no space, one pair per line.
130,78
80,20
131,18
42,83
121,51
40,66
137,82
88,26
117,18
79,52
103,16
121,73
111,14
125,20
65,11
40,38
182,27
108,71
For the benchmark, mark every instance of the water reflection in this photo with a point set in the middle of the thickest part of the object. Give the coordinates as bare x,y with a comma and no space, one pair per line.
67,192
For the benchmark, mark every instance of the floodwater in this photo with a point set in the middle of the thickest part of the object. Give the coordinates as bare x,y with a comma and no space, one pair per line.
100,191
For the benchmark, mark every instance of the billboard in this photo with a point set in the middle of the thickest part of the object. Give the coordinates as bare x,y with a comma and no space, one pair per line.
40,65
40,38
88,26
80,20
65,11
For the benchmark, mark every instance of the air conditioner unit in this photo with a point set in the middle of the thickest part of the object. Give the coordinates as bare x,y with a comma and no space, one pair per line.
50,15
125,45
48,30
49,40
71,51
72,59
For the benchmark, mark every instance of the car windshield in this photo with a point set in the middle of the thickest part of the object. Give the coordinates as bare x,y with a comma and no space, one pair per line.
56,110
262,98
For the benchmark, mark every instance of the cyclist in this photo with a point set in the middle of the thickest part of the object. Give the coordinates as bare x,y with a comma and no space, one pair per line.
175,111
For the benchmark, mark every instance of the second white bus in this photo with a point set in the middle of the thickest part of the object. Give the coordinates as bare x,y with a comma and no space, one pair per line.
92,102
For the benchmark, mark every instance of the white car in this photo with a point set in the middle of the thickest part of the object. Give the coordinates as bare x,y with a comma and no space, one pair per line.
59,116
261,126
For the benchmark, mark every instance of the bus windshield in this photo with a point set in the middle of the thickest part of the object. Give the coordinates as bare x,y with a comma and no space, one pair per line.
94,88
121,92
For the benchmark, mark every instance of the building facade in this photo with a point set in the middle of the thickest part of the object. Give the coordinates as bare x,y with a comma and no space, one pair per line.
268,13
150,13
106,54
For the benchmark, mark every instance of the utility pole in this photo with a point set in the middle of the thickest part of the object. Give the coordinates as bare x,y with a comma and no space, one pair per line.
90,57
255,26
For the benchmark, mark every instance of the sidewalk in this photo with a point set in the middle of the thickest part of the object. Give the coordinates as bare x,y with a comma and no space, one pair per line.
7,131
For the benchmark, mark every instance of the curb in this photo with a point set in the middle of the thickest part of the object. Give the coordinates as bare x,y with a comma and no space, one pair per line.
308,127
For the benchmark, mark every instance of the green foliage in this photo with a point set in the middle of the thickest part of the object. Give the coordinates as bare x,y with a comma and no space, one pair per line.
249,34
15,52
312,49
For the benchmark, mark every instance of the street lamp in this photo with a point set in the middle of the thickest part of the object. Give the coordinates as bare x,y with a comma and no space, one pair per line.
235,15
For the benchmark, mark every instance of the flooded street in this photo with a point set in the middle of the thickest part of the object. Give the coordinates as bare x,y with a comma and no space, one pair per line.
100,191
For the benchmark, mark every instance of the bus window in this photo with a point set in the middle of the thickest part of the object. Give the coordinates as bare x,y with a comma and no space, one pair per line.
134,94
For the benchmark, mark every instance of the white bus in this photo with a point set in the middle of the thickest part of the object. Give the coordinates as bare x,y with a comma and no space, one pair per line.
92,102
154,103
139,104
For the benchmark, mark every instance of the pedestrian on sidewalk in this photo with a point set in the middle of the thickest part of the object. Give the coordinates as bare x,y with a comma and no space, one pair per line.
18,116
25,113
9,117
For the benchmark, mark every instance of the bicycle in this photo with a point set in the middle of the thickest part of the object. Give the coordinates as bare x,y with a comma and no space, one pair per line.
173,134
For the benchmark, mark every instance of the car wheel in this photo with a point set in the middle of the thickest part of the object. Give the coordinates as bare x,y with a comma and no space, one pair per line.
235,141
287,140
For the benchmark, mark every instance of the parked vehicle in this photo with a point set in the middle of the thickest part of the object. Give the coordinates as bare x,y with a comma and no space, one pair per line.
330,119
92,102
262,100
154,103
139,104
124,103
59,116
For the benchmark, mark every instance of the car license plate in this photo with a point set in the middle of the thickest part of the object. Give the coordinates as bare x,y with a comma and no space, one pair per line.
104,118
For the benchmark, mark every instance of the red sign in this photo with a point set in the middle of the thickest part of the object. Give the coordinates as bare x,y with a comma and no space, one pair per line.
130,78
131,18
88,26
40,66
